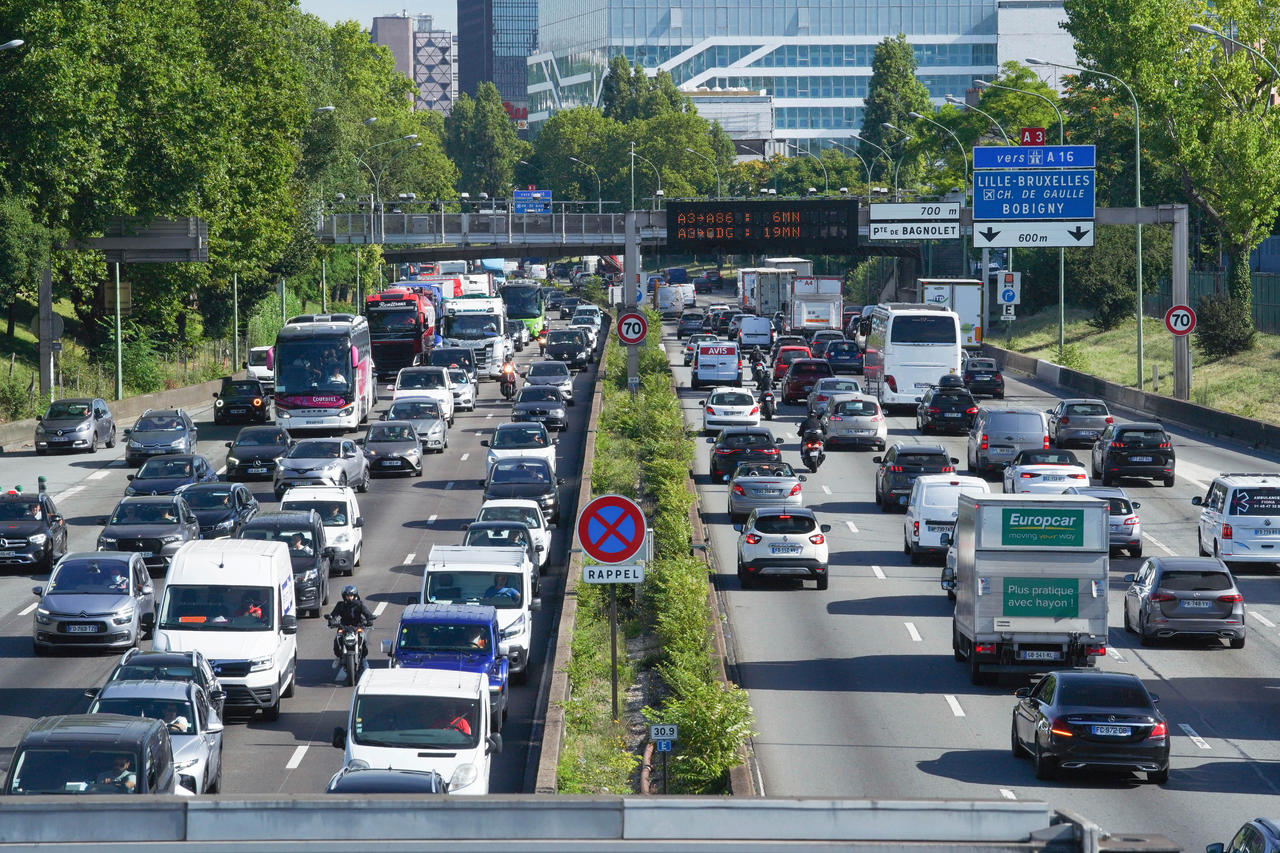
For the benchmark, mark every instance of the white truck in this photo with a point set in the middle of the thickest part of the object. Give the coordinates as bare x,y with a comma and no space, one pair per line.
961,295
816,304
480,325
451,267
672,299
764,290
802,266
1030,581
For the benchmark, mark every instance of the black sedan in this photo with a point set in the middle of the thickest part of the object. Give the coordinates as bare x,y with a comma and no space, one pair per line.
946,410
164,475
735,445
570,346
241,400
221,508
253,455
1077,719
542,403
525,477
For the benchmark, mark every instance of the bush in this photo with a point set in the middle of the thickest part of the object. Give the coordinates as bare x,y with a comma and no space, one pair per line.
18,398
1223,327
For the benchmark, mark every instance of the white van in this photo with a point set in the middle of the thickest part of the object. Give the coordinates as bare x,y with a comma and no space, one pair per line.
528,513
259,367
755,331
1240,518
932,510
501,577
232,601
717,363
340,513
670,301
423,719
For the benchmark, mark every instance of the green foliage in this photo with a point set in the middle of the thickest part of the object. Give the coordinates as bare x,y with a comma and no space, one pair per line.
24,251
1224,327
629,94
18,399
481,140
893,93
264,318
718,718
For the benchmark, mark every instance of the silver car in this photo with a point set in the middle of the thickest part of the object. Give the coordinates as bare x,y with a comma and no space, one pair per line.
1126,527
553,373
1079,421
764,484
1181,596
195,729
80,423
427,421
827,388
322,462
94,599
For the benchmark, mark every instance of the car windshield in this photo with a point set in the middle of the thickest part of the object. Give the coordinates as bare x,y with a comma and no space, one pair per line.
452,357
66,409
1187,580
145,512
154,709
413,380
257,358
528,516
315,450
207,498
400,320
141,670
731,398
414,410
841,347
520,472
78,577
790,355
497,537
564,336
779,524
332,513
20,510
1003,422
467,638
157,424
811,368
1047,457
391,432
534,394
857,408
981,365
162,467
499,589
746,440
308,366
1255,501
241,389
299,540
922,460
923,329
261,438
1086,409
415,722
1102,694
213,607
835,386
509,437
546,369
471,326
74,770
1141,435
764,469
459,376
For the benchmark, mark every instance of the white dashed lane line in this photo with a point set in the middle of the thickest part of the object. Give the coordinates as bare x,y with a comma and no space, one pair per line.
878,572
956,710
1259,617
1111,650
24,611
1163,547
1193,737
98,475
408,558
853,528
464,457
74,490
448,485
377,611
296,758
911,629
826,489
1007,794
431,519
488,416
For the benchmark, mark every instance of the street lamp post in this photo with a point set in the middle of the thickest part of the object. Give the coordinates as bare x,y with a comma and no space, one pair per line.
599,196
1207,31
906,137
863,160
714,168
951,99
657,174
376,200
887,158
1137,179
12,44
826,184
964,163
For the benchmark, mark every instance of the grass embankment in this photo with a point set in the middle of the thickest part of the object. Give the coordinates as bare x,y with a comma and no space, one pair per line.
1246,384
643,451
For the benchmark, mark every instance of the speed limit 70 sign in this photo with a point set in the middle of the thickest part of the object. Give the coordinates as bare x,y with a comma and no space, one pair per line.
632,328
1180,320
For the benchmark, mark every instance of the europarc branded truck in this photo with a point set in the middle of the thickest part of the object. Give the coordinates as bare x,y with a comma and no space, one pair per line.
816,304
961,295
1030,583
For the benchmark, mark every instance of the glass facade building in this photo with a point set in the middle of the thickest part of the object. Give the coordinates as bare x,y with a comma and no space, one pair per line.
495,39
813,57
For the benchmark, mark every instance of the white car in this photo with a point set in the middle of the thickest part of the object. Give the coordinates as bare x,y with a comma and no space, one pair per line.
339,511
588,324
931,511
783,542
523,510
726,406
431,383
464,391
525,438
553,373
856,419
1044,472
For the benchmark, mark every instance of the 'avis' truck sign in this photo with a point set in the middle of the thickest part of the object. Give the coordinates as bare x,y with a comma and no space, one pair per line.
1033,528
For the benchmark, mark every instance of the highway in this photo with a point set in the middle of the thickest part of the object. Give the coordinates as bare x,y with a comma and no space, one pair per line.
856,693
404,517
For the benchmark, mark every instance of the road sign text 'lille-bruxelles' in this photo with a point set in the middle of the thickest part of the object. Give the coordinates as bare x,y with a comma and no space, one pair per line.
821,226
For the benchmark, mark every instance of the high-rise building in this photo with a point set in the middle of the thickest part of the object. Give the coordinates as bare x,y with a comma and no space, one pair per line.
495,40
424,54
811,57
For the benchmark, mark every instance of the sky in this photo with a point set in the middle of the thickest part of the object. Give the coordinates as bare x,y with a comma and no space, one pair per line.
445,12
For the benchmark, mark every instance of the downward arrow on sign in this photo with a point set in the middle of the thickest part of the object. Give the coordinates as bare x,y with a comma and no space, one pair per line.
1079,233
991,234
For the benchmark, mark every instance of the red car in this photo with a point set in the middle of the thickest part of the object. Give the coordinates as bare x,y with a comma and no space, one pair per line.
803,374
785,356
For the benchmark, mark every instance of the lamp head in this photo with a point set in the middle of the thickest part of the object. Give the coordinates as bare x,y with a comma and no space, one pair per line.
1031,60
340,197
914,115
659,194
982,84
887,126
844,191
1202,29
370,120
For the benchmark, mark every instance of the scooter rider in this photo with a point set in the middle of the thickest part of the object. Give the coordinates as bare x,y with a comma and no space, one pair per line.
815,423
508,378
350,611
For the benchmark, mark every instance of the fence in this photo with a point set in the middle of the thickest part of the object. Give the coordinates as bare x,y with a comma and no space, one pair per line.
1211,283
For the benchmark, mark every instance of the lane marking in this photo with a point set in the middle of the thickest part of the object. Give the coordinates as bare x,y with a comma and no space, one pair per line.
98,475
221,471
479,434
377,611
826,489
853,528
875,570
1007,794
464,457
431,519
74,490
1159,544
24,611
956,710
1195,738
1264,620
449,485
296,758
911,629
488,416
408,558
1111,650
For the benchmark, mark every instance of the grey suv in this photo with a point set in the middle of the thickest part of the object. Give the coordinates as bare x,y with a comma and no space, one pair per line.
94,600
157,432
322,462
998,435
1184,596
154,526
79,423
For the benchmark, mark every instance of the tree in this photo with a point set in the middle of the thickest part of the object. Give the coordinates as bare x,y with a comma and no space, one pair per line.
24,253
893,93
481,141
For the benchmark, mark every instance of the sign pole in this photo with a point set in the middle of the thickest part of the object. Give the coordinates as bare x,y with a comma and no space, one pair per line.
119,346
1182,343
631,284
324,289
664,773
235,314
613,647
986,292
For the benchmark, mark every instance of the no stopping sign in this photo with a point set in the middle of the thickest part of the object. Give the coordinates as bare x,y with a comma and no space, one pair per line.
1180,320
632,328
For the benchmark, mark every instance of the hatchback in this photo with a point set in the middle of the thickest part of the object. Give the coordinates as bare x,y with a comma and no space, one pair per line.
1134,450
527,513
844,357
1081,719
158,432
858,420
1043,472
786,355
339,512
322,462
741,444
255,451
1126,527
690,322
145,665
528,438
464,390
92,754
80,423
826,388
424,416
983,376
542,403
526,477
946,409
801,376
729,407
392,447
1078,420
900,467
94,600
764,484
782,542
1184,596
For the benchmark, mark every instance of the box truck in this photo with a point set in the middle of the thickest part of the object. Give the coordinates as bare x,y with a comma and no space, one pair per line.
764,290
801,266
815,304
961,295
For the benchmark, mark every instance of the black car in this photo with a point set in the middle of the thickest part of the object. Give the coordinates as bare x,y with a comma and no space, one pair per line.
32,531
983,376
568,306
253,455
722,321
542,403
221,508
735,445
155,526
844,357
1259,835
902,464
570,346
946,409
690,323
166,474
702,284
552,297
1079,719
145,665
303,532
380,780
241,400
1133,450
525,477
93,754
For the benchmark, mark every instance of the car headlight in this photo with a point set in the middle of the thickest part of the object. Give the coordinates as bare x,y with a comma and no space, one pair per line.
465,775
108,541
347,412
225,525
282,414
513,629
129,490
190,762
42,617
261,664
178,442
231,460
124,617
311,576
438,429
171,538
135,444
557,413
369,452
219,404
37,538
39,429
84,427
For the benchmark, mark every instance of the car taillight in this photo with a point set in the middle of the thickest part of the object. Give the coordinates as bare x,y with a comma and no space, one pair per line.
770,451
1159,731
739,364
972,410
1046,442
836,418
1077,476
877,418
1131,521
737,490
1064,420
934,410
897,469
983,445
753,539
724,452
1231,599
892,383
1110,419
1164,445
755,410
947,469
710,411
1117,445
1027,475
985,648
817,539
999,377
915,528
1226,531
795,490
1095,650
1161,596
1060,728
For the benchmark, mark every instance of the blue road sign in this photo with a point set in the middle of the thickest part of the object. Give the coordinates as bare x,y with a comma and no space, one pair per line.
1008,295
531,201
1033,157
1033,194
662,746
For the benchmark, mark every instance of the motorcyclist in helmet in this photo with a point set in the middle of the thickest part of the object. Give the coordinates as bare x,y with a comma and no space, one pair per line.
813,422
350,611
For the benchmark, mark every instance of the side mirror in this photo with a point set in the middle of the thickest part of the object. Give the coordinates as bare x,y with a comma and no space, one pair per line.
825,528
738,527
877,459
386,647
104,520
555,441
1197,501
495,744
40,418
484,443
535,604
1137,505
955,461
339,737
215,395
127,432
360,441
330,551
945,540
289,624
228,444
702,402
778,440
244,365
217,695
58,518
711,441
359,522
559,481
1022,692
1155,697
37,591
148,589
1215,847
91,693
802,478
1129,578
130,476
213,727
540,548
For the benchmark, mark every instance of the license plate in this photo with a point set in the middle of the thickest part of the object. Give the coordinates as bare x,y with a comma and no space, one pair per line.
257,470
1000,451
769,493
8,553
146,553
864,432
1113,731
82,629
1139,458
784,549
1038,655
312,421
1192,603
239,411
940,528
924,385
952,414
1054,478
389,463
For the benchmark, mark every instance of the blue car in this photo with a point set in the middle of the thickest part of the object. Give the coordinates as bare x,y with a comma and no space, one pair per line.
844,357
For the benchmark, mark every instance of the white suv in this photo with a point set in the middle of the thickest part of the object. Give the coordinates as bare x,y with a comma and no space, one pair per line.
782,542
340,513
1240,518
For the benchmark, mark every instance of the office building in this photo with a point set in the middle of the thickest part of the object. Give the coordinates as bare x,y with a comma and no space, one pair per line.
495,40
424,54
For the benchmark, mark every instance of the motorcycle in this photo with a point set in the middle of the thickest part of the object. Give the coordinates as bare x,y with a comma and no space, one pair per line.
508,385
542,342
767,405
813,450
352,647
